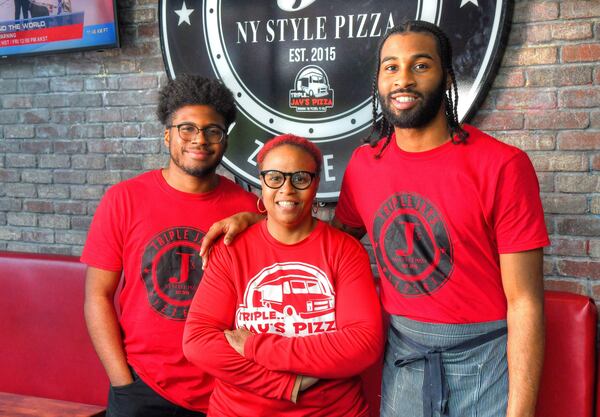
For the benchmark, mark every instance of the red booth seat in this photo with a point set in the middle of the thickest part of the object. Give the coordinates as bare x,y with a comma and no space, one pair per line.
569,373
45,349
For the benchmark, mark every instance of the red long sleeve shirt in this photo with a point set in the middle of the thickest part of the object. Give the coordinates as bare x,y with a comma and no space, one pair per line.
312,309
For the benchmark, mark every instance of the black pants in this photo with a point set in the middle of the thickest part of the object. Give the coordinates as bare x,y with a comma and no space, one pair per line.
21,5
139,400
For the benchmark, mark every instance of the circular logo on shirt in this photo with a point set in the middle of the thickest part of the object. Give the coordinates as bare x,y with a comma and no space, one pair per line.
172,270
306,66
412,245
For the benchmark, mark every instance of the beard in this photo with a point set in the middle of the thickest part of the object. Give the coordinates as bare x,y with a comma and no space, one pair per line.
420,115
201,171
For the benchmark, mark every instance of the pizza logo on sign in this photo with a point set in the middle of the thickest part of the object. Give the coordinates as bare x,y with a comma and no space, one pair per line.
412,245
285,59
312,92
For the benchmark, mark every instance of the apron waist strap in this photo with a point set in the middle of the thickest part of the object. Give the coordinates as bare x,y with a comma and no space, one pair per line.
435,386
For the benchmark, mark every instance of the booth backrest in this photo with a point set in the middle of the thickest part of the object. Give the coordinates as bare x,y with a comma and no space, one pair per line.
568,377
45,349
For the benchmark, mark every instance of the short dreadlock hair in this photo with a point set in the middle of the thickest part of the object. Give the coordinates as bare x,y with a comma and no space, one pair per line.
192,90
383,128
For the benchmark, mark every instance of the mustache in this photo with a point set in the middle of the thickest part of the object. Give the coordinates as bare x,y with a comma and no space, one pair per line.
405,91
203,148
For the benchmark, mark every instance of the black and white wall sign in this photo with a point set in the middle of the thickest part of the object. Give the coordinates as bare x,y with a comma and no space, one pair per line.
306,66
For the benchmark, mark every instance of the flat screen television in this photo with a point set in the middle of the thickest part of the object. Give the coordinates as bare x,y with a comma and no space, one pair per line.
29,27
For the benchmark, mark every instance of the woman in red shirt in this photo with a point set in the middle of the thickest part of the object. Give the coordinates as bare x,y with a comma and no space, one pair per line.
287,316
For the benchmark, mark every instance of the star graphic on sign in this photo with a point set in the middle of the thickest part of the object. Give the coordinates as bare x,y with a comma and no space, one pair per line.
184,14
463,2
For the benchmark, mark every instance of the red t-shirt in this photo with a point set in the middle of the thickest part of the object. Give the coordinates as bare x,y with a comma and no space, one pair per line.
152,232
313,309
438,221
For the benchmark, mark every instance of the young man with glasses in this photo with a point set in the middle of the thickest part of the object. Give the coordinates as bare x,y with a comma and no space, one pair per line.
149,230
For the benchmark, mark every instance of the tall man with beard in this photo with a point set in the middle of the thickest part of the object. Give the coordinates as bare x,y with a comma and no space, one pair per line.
149,229
457,227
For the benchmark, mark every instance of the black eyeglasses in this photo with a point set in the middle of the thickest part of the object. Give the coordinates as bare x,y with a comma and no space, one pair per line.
301,180
189,131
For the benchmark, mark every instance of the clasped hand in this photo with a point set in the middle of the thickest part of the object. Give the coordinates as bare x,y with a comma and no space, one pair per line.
237,338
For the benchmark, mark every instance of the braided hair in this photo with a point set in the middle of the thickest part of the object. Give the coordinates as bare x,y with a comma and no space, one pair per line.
383,128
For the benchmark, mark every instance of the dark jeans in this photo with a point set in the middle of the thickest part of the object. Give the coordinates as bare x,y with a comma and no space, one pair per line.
21,5
139,400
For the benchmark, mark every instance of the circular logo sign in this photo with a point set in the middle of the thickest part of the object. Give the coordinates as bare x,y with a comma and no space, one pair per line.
412,244
172,270
306,66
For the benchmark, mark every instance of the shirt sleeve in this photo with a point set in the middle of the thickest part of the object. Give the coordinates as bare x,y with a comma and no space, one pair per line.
346,211
247,202
104,244
236,198
356,344
518,214
204,344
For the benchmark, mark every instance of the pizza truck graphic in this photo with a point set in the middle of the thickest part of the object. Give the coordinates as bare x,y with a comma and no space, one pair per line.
311,92
313,83
290,298
296,294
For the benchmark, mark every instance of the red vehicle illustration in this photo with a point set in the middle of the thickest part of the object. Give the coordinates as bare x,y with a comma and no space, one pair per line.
295,294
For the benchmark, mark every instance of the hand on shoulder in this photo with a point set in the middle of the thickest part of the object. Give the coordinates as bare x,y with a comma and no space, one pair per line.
229,228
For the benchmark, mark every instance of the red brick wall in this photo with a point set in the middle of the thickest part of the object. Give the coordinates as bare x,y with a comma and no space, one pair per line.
546,100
